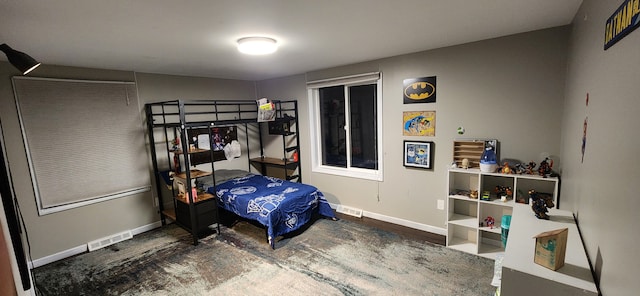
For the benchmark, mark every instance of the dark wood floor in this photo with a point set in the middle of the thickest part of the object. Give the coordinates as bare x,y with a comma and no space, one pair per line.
399,229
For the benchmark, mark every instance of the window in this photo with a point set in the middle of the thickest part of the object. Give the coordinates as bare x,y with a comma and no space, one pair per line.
83,141
345,126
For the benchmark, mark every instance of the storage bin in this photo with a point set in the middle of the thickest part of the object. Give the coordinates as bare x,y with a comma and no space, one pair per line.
504,225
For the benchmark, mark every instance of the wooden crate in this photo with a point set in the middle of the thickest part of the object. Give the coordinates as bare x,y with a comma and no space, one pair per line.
469,149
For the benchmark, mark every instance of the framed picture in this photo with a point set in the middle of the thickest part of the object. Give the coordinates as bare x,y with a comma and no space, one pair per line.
419,90
419,123
418,154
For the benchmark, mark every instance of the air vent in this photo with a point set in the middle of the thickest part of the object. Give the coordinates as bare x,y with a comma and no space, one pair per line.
349,211
109,240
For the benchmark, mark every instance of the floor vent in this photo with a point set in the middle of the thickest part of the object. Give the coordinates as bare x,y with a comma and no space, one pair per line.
109,240
349,211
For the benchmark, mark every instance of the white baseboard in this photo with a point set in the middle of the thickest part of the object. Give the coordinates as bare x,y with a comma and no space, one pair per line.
83,248
402,222
145,228
58,256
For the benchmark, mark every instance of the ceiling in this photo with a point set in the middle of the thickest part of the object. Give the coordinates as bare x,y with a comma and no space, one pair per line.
197,37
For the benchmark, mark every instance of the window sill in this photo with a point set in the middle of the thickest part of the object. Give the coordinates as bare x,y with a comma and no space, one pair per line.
352,172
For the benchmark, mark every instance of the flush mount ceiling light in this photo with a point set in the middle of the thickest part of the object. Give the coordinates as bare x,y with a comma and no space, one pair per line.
257,45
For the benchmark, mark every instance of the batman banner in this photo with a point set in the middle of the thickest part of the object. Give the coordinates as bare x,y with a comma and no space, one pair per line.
419,90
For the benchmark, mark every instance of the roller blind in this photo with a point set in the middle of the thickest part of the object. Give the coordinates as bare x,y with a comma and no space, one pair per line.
84,140
345,80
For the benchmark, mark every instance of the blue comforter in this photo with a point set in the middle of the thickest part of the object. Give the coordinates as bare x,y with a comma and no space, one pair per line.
281,206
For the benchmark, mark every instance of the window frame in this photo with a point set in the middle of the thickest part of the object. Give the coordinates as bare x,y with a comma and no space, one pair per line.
315,126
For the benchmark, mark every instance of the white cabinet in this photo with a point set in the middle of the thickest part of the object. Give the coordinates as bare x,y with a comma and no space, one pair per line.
467,230
522,277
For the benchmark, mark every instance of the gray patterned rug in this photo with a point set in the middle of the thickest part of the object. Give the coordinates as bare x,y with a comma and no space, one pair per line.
329,258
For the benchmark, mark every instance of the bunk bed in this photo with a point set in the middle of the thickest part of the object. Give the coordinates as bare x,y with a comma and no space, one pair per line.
185,134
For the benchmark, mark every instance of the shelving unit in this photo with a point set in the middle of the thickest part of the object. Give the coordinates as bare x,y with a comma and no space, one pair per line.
200,198
276,167
187,121
466,229
286,126
193,210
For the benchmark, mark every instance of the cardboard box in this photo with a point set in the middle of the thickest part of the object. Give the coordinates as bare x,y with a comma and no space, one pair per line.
550,248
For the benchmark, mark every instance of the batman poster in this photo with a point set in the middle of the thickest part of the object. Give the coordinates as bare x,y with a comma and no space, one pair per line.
419,90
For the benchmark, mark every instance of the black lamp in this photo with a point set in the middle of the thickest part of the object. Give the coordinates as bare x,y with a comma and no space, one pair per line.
20,60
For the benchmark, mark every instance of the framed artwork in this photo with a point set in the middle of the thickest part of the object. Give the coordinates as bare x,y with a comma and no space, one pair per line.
419,90
419,123
418,154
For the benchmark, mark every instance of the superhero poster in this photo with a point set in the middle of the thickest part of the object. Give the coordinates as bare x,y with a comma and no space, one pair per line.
419,90
418,154
419,123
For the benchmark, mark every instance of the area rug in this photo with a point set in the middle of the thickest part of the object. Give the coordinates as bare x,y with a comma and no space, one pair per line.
328,258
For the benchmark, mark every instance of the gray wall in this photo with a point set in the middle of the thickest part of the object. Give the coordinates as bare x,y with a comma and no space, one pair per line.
53,233
602,190
58,232
526,90
508,88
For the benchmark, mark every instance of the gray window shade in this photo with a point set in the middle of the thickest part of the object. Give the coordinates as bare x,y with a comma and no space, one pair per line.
84,140
346,80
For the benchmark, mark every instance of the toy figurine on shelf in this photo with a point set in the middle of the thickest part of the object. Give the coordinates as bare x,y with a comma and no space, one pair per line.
525,168
519,168
489,221
506,169
175,144
539,204
465,163
176,164
545,167
530,167
503,191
